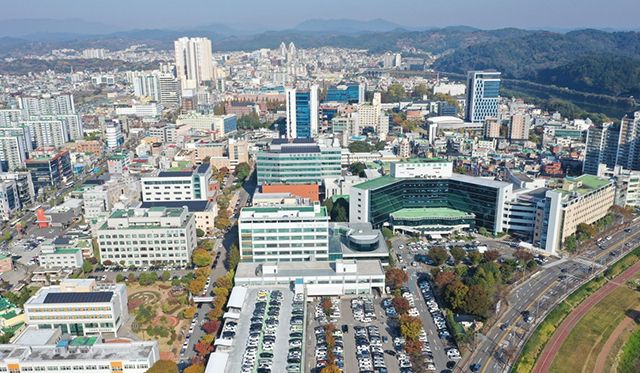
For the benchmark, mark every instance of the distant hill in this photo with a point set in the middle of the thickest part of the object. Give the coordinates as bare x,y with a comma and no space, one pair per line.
587,60
350,26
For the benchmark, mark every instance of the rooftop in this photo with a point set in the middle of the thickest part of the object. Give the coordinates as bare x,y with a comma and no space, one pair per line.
101,352
589,184
429,212
388,180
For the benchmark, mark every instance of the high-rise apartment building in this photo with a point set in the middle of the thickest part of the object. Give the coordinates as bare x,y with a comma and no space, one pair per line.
518,128
628,153
47,104
602,147
194,61
169,88
146,85
491,128
15,145
372,115
482,95
302,112
114,136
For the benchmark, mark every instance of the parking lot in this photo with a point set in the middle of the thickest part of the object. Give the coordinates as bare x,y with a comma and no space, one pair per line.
268,342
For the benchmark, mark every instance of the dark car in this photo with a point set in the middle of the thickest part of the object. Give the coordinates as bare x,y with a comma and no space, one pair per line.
345,328
475,367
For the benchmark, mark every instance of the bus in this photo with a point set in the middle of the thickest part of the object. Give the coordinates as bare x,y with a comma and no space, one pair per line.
15,223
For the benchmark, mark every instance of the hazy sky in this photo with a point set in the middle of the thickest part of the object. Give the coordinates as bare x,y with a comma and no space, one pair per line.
280,14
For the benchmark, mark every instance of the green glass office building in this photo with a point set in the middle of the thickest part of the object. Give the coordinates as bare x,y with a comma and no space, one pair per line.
297,163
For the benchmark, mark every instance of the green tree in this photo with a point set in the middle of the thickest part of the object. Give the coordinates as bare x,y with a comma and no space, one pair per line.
570,244
482,231
458,254
475,257
438,255
455,295
243,170
387,233
357,168
339,213
587,229
201,258
233,257
461,170
360,147
119,277
199,232
86,266
420,91
7,235
396,92
163,366
166,276
222,223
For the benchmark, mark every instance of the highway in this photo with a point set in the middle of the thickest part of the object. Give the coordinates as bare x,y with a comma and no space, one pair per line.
498,349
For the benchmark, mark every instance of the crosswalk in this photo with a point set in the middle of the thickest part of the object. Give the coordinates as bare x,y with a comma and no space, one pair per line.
588,263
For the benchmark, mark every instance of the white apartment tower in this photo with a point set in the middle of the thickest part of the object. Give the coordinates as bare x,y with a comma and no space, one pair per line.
194,61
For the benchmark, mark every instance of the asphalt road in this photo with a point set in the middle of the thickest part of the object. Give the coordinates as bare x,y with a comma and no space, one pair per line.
497,350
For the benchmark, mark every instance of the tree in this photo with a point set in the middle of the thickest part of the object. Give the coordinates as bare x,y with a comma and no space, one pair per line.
224,282
360,147
461,170
7,235
444,278
476,301
438,255
357,168
201,258
523,255
166,276
207,339
243,170
199,232
413,347
387,233
396,277
458,254
331,368
587,229
570,244
401,304
86,266
410,327
203,273
119,277
491,255
396,93
211,327
221,292
222,223
475,257
196,286
163,366
482,231
455,295
195,368
233,258
189,312
420,91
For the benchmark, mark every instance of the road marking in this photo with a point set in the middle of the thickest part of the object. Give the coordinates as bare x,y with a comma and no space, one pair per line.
486,365
598,256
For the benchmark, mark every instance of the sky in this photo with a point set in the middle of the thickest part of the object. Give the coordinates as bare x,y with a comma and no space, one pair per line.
282,14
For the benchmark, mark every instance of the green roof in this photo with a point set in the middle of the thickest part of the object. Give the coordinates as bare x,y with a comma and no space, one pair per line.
5,304
376,183
434,212
61,251
3,257
9,315
117,156
83,341
589,184
338,196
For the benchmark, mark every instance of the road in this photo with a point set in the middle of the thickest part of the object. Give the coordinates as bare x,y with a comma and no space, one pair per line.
497,350
222,245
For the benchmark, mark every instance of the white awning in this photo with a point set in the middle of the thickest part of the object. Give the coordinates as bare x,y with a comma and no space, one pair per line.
217,362
236,299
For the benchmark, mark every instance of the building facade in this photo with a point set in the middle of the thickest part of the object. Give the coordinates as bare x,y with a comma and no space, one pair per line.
190,185
482,95
298,163
79,307
302,112
602,147
194,61
49,168
148,236
284,233
628,154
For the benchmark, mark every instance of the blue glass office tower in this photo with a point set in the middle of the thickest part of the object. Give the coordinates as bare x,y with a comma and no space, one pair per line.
482,95
302,112
352,94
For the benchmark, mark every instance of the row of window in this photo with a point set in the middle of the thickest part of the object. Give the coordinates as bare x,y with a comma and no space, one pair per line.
75,368
106,243
142,235
157,255
284,230
70,309
71,317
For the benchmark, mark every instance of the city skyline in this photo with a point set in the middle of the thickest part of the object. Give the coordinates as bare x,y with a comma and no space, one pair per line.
284,14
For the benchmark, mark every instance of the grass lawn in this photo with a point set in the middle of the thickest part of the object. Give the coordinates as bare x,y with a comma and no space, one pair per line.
581,348
611,364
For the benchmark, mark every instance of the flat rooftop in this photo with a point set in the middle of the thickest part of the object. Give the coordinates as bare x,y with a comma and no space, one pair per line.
94,353
589,184
388,180
435,212
308,269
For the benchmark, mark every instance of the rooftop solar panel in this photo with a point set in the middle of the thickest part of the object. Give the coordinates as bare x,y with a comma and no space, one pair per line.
279,141
90,297
300,149
304,140
175,173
